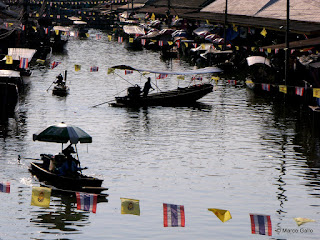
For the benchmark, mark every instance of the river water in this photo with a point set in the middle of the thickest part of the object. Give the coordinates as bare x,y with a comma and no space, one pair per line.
234,151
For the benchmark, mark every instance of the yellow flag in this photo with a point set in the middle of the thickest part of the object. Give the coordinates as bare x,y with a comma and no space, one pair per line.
223,215
9,59
110,70
316,92
235,28
269,50
186,44
130,40
263,32
207,21
34,28
301,221
87,35
109,37
57,32
181,77
237,48
41,196
130,206
77,67
170,43
40,61
283,88
253,49
216,78
203,46
153,17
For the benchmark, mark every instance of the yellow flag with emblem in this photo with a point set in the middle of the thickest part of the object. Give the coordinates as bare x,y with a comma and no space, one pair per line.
41,196
223,215
9,59
153,17
109,37
77,67
283,88
316,92
130,40
130,206
181,77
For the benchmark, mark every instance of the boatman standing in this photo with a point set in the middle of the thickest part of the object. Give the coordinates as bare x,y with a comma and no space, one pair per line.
147,87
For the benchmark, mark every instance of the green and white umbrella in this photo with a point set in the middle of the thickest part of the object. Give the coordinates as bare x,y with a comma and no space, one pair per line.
63,133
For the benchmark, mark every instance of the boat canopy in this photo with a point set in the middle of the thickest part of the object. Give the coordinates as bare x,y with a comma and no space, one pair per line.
258,59
9,73
18,53
132,29
186,72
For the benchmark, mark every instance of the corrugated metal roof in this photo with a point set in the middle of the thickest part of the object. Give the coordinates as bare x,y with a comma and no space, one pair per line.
300,10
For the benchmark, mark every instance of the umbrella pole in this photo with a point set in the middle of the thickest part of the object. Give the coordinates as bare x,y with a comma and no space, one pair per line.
78,156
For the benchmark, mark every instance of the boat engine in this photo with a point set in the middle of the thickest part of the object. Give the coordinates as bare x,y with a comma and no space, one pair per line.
134,92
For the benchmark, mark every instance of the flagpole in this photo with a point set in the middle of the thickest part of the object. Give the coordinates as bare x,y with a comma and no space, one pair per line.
287,50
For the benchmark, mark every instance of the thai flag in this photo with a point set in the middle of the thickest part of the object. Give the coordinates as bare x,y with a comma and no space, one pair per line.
54,64
143,42
23,27
161,43
261,49
5,187
276,51
87,202
232,82
58,16
98,36
173,215
46,30
299,91
162,76
265,86
23,63
178,43
194,45
120,39
128,72
261,224
94,69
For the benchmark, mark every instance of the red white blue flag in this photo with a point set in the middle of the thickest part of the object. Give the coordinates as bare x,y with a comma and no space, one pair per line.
261,224
299,91
265,86
46,30
5,187
162,76
54,64
232,82
94,69
161,43
120,39
173,215
143,42
98,36
128,72
23,63
87,202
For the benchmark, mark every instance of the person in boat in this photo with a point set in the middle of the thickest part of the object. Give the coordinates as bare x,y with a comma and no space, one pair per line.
70,165
60,80
146,88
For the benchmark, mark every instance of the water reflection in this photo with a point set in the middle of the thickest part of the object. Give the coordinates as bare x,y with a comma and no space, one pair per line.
62,215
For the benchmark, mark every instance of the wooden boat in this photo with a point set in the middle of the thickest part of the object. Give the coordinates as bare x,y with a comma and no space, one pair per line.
60,90
180,96
80,183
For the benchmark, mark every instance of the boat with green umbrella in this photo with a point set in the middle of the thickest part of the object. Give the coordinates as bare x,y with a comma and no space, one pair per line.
63,171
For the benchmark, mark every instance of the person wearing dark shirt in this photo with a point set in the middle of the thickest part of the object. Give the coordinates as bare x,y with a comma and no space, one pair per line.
147,87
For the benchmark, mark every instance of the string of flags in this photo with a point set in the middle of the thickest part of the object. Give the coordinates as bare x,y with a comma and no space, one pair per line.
173,215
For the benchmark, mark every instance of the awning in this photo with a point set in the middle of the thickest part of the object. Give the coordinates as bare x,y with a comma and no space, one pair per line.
9,73
258,59
132,29
297,44
17,53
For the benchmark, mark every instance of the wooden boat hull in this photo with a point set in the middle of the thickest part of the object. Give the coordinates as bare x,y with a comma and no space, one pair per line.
180,96
81,183
60,90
